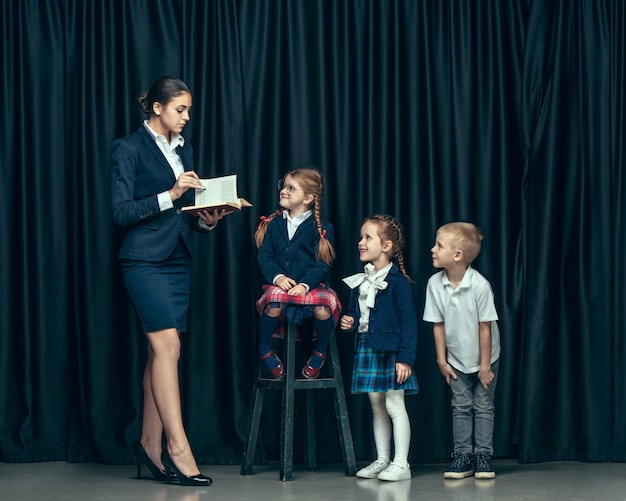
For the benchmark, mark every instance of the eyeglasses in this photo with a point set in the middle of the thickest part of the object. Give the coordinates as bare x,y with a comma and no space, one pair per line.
291,189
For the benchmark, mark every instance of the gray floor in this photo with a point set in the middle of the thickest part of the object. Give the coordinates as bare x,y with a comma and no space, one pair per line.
96,482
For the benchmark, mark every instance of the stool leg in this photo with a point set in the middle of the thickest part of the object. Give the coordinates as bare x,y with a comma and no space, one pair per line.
311,453
341,412
286,450
253,432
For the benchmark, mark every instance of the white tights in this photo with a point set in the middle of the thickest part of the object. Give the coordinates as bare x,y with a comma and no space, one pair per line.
387,409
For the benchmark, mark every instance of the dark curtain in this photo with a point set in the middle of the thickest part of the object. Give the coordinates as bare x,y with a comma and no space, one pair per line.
509,114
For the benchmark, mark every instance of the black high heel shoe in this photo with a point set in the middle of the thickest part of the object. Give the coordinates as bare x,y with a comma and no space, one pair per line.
141,458
172,472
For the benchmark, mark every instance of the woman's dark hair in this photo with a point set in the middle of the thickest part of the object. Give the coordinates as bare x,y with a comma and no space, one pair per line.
162,91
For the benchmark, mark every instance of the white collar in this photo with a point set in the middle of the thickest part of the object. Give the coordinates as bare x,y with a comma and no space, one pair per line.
176,138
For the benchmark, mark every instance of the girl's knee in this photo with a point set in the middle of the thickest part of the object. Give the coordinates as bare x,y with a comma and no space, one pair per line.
394,403
273,309
321,312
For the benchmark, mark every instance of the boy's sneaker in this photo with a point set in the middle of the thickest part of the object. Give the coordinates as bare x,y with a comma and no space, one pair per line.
372,470
461,465
483,467
395,472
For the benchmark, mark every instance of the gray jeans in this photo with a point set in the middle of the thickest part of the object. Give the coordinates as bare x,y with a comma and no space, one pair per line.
472,412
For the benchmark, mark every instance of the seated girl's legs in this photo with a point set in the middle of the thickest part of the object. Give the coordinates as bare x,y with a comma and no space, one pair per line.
396,409
324,325
484,406
267,326
152,427
165,347
382,426
462,412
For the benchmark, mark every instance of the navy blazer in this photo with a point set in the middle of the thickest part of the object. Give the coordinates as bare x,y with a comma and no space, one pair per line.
295,258
139,172
393,320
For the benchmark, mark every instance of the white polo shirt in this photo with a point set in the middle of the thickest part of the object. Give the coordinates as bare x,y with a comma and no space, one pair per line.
461,310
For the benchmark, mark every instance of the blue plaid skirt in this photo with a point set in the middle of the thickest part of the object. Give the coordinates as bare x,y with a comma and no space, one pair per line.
375,370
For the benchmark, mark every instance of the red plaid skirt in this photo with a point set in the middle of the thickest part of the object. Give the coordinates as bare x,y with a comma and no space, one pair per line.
296,307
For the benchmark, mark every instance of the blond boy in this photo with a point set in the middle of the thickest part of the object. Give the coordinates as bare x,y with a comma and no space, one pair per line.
460,304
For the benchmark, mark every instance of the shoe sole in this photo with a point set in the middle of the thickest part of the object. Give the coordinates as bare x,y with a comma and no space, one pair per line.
460,474
485,475
405,477
363,475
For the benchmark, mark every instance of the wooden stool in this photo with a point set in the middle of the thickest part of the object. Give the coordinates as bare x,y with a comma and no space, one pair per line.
288,384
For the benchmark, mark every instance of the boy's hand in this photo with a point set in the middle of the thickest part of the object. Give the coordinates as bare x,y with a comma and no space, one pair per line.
403,371
346,322
486,377
447,371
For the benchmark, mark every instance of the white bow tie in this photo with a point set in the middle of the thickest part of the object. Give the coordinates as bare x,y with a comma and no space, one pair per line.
369,283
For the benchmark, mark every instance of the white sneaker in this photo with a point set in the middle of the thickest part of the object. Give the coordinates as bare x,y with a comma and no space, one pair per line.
395,472
372,470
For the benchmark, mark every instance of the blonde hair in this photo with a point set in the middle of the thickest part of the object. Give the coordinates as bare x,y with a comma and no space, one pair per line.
311,182
464,236
389,228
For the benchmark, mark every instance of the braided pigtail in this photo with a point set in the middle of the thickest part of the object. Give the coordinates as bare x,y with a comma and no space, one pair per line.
261,230
325,250
390,229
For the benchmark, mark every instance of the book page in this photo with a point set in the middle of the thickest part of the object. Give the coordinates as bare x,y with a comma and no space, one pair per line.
218,190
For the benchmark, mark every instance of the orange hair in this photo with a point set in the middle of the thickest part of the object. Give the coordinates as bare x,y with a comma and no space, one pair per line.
311,182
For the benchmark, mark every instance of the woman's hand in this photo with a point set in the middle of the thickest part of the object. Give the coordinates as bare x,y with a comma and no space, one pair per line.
188,179
211,217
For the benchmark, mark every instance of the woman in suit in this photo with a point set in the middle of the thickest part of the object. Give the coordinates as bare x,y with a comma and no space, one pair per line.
152,177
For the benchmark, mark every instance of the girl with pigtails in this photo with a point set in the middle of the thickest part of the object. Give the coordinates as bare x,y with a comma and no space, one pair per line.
383,315
295,253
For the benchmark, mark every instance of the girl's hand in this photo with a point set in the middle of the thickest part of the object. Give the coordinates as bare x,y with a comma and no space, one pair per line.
285,283
188,179
403,371
297,290
346,322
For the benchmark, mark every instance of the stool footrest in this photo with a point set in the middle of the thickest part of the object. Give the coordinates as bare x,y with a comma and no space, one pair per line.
288,384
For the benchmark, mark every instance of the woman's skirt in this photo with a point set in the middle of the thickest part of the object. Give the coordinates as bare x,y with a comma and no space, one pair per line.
160,291
375,370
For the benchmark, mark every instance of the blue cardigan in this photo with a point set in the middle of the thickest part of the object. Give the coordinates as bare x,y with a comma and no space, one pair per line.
295,258
393,320
139,172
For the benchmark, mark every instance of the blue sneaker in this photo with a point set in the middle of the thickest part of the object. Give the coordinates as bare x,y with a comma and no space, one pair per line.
483,467
461,466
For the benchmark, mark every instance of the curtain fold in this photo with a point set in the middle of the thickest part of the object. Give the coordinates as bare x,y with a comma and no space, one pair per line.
509,114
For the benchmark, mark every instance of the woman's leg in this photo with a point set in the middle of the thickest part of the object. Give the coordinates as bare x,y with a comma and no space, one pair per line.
165,346
152,427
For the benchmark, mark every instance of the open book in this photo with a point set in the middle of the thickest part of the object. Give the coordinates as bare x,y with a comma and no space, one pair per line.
219,193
